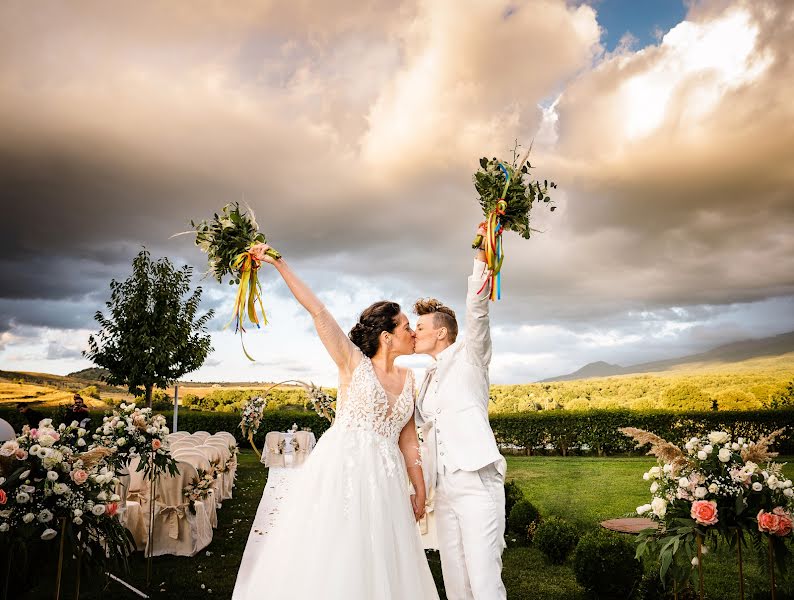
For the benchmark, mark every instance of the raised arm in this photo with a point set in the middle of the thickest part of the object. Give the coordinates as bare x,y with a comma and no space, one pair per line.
478,325
342,350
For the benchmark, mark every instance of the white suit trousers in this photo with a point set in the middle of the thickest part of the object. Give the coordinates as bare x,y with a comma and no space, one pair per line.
470,520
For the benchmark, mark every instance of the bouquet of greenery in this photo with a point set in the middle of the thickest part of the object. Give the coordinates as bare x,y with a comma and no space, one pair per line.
227,239
506,200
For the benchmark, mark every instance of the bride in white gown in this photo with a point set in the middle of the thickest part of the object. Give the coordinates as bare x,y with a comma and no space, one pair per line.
347,529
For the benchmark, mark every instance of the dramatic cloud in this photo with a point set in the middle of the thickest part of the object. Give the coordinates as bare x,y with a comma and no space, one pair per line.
353,132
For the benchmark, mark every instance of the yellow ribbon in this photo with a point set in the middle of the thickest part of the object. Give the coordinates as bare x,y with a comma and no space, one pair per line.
248,294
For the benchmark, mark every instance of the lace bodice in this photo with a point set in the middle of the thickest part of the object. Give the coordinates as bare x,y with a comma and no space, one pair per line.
365,405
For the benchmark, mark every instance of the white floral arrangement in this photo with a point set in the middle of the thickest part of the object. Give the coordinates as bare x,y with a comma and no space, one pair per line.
324,404
714,486
50,479
135,431
252,415
199,488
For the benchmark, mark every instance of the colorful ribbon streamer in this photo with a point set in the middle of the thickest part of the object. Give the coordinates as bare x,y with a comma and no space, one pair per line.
249,288
494,251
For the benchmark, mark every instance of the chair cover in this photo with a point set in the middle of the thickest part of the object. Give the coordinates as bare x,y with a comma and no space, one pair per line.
228,475
135,516
213,454
177,531
199,461
200,435
272,455
303,443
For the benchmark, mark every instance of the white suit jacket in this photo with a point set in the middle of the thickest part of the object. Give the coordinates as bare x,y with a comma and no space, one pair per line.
457,433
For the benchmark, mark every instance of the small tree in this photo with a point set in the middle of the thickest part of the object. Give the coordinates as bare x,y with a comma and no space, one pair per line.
151,336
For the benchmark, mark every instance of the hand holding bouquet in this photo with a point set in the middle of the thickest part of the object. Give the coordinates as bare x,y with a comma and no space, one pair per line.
228,240
506,201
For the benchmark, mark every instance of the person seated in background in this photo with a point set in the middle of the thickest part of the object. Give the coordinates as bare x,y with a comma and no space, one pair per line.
33,416
78,411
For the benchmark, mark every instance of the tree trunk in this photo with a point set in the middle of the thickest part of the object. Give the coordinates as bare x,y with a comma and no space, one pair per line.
149,390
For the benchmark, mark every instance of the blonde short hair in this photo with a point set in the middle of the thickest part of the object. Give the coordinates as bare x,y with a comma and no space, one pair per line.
443,316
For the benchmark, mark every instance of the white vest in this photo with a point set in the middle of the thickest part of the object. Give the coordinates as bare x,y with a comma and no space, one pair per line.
452,407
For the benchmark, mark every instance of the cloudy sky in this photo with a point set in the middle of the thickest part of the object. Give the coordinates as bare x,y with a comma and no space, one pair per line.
353,129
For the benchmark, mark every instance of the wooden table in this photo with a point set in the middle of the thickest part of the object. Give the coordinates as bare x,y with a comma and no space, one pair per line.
631,525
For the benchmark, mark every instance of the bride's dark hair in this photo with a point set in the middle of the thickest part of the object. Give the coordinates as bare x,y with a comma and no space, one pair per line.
377,318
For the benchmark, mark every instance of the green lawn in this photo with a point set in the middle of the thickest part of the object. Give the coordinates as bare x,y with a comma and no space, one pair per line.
582,490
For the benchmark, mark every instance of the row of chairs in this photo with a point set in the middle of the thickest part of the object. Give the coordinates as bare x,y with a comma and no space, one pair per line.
180,529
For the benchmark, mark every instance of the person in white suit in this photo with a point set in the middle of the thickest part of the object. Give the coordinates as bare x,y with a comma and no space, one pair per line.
452,413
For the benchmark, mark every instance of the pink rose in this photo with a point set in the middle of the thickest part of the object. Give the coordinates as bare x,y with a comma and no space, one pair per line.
79,476
768,522
111,509
34,433
785,526
3,497
780,511
21,454
156,444
704,512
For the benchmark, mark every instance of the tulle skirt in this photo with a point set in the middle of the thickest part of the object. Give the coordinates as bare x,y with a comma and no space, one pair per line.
346,529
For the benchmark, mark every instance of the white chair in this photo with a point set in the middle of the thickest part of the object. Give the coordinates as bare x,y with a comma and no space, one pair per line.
200,435
226,435
273,454
177,531
183,443
177,435
304,444
227,475
135,516
232,442
199,461
213,454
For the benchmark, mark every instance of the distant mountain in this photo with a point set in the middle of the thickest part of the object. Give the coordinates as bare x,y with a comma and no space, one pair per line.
91,374
728,353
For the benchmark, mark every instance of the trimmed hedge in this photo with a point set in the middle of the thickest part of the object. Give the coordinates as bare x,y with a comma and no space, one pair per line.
566,431
555,431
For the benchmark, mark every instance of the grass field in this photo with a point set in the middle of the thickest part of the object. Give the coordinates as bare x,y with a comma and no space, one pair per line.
582,490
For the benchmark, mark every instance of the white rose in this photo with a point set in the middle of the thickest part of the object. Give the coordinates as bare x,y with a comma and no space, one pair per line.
750,466
60,488
740,441
641,510
4,527
77,521
708,448
700,492
48,534
757,486
724,455
99,509
115,498
735,446
654,487
102,496
668,468
718,437
80,442
655,472
646,476
788,493
121,441
23,497
702,455
77,512
689,446
683,482
28,518
714,488
46,440
52,475
45,516
772,482
659,507
45,423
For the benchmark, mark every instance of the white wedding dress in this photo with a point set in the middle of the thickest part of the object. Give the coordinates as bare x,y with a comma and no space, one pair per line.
346,529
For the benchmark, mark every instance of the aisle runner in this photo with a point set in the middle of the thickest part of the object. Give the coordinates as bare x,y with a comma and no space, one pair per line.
278,482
